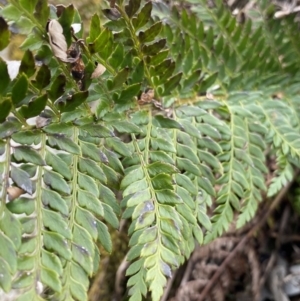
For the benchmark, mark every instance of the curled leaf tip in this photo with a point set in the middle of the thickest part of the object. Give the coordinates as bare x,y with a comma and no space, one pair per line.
100,69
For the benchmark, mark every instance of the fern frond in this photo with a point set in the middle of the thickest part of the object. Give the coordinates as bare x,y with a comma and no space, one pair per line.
255,174
231,49
284,174
11,234
281,132
67,210
150,200
173,212
60,168
244,167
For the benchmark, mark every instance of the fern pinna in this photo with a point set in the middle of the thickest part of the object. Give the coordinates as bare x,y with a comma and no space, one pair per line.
175,113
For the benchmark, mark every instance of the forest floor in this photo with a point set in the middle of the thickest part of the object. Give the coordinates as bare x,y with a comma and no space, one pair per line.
260,262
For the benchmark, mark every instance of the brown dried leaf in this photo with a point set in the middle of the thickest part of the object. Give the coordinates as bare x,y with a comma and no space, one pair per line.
14,192
57,40
100,69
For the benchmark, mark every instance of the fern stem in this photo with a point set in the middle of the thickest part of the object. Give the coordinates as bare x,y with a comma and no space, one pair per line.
274,128
53,108
21,118
194,148
34,89
219,225
39,207
74,185
74,180
232,146
249,197
144,160
138,48
147,142
5,178
148,178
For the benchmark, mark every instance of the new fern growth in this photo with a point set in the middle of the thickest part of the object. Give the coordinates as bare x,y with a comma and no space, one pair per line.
177,115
